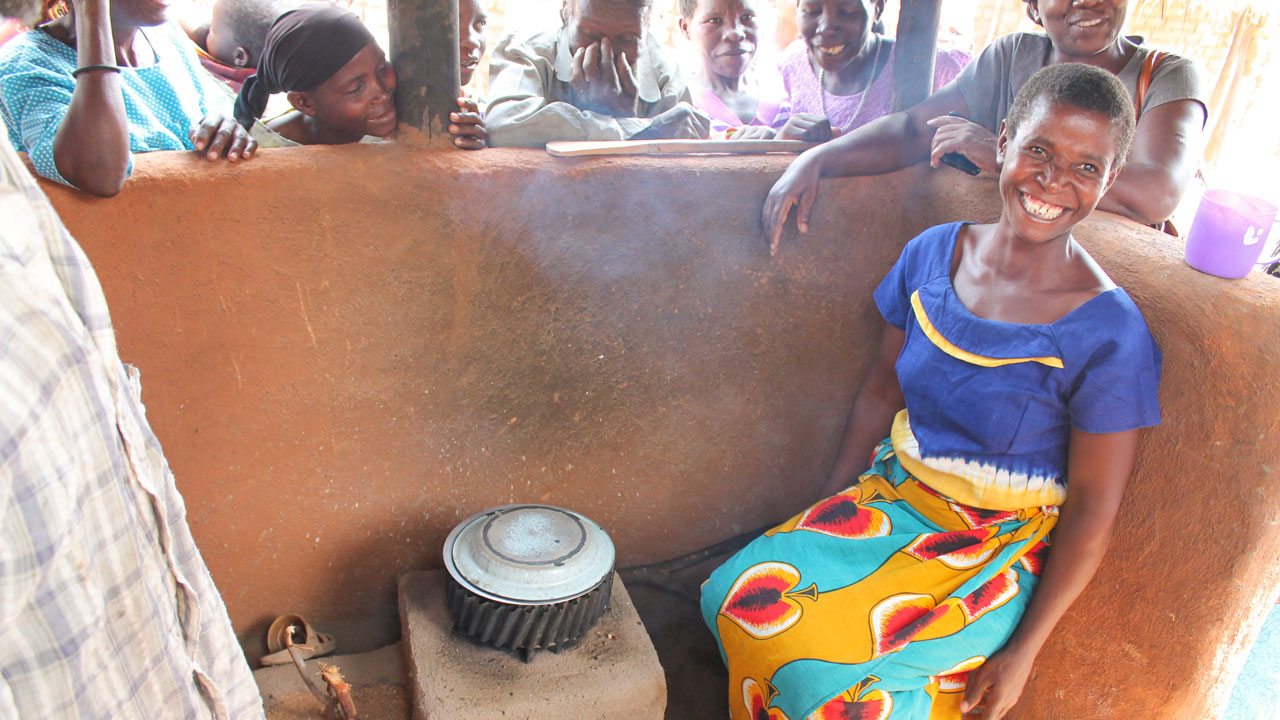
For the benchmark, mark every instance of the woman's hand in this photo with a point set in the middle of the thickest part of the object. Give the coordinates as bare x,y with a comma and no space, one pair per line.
798,187
955,134
467,126
1100,465
998,683
220,136
681,121
752,132
805,126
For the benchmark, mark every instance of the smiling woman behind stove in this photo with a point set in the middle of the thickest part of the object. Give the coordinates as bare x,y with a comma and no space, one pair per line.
339,82
927,585
841,69
965,115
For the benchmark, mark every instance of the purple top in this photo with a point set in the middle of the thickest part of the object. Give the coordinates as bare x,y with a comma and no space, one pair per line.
801,83
772,109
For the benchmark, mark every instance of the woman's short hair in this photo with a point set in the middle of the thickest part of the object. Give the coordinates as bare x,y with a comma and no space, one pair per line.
1083,86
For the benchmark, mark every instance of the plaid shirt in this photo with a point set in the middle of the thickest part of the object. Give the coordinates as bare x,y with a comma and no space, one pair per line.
106,607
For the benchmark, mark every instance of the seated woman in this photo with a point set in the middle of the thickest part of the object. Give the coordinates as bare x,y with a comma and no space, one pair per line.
725,85
82,93
926,586
338,81
1171,113
841,69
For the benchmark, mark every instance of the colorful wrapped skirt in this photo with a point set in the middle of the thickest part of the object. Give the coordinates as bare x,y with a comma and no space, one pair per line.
873,603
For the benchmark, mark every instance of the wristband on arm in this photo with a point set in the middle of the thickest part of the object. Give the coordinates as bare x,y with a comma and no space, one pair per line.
89,68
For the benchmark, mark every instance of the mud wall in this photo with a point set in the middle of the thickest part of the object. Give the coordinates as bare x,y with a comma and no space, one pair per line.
345,351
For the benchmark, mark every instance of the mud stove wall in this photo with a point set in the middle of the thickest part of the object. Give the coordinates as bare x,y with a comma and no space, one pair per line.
345,351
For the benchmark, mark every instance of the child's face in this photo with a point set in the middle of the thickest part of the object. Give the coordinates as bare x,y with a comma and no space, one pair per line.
590,21
1054,169
724,31
357,100
835,31
221,41
472,21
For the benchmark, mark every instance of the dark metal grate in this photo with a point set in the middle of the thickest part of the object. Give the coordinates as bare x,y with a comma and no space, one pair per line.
525,629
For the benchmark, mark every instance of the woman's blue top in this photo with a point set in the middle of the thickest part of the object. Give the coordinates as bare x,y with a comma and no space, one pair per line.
997,399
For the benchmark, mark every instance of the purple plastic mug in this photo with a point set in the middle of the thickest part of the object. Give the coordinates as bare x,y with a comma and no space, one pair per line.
1228,233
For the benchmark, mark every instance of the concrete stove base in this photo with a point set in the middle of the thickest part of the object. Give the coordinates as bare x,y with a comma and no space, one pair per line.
613,673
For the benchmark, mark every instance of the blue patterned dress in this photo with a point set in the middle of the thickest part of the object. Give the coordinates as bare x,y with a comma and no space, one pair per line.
162,101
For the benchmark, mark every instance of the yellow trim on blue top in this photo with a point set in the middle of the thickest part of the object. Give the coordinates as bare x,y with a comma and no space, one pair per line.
960,354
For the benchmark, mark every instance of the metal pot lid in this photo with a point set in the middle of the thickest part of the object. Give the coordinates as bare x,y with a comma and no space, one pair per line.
528,554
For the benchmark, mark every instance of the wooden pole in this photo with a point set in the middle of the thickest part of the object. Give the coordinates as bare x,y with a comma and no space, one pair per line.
914,52
424,51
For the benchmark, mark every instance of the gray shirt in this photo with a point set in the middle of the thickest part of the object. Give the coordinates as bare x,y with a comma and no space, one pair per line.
532,103
990,82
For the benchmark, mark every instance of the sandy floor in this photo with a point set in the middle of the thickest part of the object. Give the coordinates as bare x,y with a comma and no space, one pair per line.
377,681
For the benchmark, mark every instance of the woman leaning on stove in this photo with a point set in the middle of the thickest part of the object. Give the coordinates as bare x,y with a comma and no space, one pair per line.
82,93
1171,108
841,70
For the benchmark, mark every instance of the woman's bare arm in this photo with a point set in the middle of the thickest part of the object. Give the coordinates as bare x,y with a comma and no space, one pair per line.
1100,465
1162,161
884,145
875,404
91,149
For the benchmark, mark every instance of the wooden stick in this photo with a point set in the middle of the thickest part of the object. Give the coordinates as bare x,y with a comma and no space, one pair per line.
340,691
572,148
913,54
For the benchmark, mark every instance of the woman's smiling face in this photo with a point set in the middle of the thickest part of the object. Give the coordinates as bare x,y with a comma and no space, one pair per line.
359,99
724,31
1055,167
1082,28
836,31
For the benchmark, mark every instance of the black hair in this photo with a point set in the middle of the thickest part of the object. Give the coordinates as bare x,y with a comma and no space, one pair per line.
250,20
1082,86
687,8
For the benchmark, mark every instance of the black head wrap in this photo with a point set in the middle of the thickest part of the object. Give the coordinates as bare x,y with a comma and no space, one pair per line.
304,48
